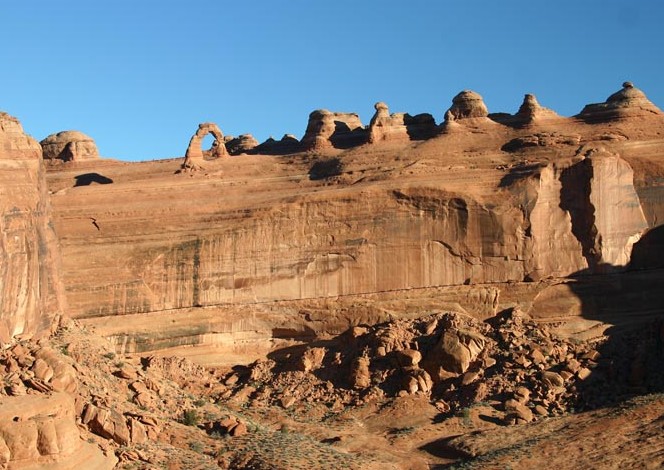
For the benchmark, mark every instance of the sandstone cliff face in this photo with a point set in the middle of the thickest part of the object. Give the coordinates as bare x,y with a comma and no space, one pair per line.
562,218
29,284
497,199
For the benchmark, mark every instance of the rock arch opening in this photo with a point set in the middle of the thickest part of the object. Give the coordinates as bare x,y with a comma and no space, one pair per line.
208,133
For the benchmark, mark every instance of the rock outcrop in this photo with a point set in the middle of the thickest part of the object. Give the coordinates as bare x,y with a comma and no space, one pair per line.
531,111
465,105
69,146
242,144
40,432
326,130
196,155
31,295
399,126
288,144
488,204
625,103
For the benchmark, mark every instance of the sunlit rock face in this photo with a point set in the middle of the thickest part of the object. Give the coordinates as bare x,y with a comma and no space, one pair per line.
161,260
30,295
67,146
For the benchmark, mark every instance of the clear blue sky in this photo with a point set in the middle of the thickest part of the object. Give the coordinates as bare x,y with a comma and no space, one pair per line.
138,76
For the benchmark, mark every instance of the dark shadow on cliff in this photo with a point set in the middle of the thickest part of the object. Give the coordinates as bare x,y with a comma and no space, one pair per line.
631,358
519,172
345,138
86,179
328,168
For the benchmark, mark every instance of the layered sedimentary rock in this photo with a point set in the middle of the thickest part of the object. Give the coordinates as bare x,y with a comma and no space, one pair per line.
489,203
530,110
399,126
326,129
468,104
40,432
630,101
69,146
30,293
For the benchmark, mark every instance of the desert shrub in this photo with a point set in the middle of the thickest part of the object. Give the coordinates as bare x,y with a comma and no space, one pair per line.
190,417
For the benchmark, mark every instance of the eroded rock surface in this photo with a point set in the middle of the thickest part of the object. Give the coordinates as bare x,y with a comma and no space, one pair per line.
69,146
31,296
327,129
196,155
399,126
630,101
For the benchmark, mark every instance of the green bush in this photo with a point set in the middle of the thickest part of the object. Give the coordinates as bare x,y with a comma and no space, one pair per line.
190,418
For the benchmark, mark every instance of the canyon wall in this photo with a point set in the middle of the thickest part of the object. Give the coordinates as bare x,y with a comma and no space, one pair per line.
31,295
490,200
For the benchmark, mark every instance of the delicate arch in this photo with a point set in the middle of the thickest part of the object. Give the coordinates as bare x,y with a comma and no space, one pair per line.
195,152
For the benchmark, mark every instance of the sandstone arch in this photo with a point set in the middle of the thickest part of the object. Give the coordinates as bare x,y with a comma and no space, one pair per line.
195,153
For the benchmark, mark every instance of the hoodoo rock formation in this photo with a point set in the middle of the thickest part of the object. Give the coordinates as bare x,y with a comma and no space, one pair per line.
196,155
69,146
242,144
399,126
531,111
326,129
468,104
630,101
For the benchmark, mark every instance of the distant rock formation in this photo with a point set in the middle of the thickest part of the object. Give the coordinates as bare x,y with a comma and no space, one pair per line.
465,105
69,146
195,154
399,126
242,144
287,144
630,101
531,110
333,130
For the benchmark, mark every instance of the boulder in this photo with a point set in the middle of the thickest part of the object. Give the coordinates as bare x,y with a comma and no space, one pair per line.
311,359
408,357
455,351
360,377
67,146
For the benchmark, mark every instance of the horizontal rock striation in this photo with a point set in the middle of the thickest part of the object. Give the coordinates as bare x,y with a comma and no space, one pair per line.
493,201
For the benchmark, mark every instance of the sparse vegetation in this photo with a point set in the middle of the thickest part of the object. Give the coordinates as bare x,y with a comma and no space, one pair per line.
190,417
